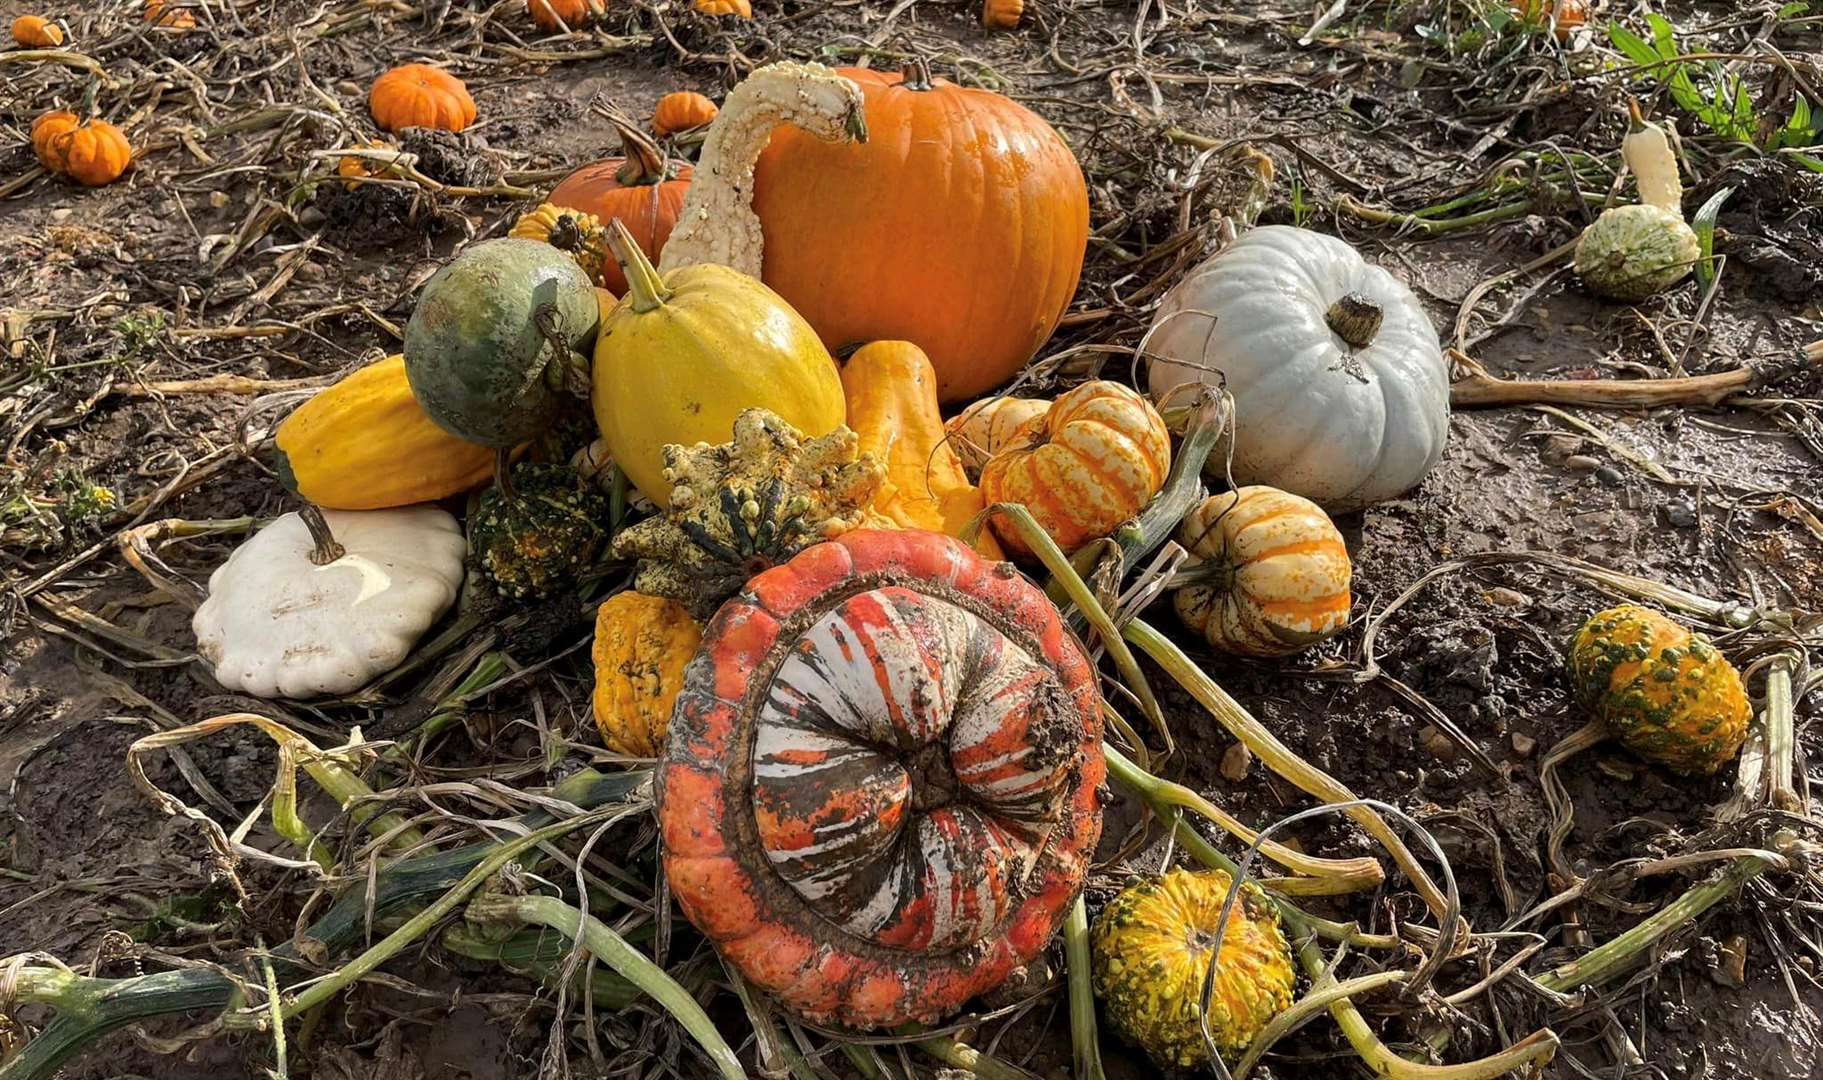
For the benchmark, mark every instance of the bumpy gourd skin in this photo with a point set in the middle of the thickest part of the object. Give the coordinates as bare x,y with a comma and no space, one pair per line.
1668,695
642,644
1151,951
1634,252
540,542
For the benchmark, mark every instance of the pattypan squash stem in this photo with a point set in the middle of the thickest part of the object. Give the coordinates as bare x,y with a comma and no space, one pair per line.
612,950
1083,1038
327,550
1276,755
646,290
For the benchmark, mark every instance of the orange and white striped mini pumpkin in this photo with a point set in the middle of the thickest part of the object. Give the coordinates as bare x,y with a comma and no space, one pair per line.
1093,460
878,790
985,428
1280,572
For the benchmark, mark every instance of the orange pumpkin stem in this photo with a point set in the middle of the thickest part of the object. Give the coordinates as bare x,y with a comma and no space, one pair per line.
645,163
915,74
645,288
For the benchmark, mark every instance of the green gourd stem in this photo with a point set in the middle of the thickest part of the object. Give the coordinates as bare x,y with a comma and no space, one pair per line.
1276,755
1781,739
487,671
1323,877
1182,491
422,922
1612,958
1079,593
612,950
646,290
1084,1042
862,1059
1324,993
960,1055
540,955
1433,226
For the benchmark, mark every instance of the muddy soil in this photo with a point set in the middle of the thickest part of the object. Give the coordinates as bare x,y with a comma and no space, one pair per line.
94,874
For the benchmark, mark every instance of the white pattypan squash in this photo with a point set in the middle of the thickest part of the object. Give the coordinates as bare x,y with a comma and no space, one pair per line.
1340,387
289,617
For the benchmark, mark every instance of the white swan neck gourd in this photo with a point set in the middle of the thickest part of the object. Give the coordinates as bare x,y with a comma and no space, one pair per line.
1647,151
717,224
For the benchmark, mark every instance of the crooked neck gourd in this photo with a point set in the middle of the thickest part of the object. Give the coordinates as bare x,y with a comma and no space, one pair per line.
718,224
1635,252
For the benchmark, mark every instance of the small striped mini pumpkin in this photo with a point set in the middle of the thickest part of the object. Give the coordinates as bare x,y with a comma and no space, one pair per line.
1093,460
877,795
1279,572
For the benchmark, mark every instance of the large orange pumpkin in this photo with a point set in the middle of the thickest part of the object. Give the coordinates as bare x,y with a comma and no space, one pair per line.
959,225
45,130
1092,461
640,189
878,790
418,95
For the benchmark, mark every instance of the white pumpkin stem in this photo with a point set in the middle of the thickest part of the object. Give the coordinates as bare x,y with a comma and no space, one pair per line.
1355,319
646,289
327,549
717,223
1647,151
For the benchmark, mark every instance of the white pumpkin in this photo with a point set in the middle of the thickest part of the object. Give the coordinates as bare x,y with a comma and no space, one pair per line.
287,617
1340,387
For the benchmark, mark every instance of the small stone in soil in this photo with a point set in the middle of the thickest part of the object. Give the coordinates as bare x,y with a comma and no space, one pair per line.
1680,514
1581,463
1504,597
1524,744
1437,743
1608,474
1235,762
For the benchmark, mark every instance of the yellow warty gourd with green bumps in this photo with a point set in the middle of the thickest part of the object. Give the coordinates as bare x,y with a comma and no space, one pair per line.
1151,948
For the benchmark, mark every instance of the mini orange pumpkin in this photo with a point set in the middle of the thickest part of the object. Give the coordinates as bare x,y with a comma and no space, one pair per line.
743,8
986,427
175,19
574,14
93,154
1092,461
1562,15
418,95
682,111
353,168
45,130
640,190
37,32
1002,14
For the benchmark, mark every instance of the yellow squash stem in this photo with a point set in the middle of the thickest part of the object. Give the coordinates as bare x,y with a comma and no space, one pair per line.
1323,877
645,288
1276,755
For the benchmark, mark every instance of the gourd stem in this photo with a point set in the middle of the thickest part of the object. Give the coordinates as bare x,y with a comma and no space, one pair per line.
1781,742
611,949
1557,799
645,288
645,165
1083,1040
1355,319
914,74
503,473
326,549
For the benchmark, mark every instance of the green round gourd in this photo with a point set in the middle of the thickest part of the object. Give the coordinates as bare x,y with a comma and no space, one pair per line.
481,348
537,541
1635,252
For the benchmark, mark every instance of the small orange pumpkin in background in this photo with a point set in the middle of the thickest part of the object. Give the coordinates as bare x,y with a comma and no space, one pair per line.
418,95
743,8
351,169
45,130
174,19
638,189
1002,14
94,153
574,14
1562,15
682,111
37,32
1093,460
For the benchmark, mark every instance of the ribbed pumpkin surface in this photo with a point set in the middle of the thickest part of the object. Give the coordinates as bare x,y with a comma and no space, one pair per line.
1284,572
1666,693
878,793
1151,950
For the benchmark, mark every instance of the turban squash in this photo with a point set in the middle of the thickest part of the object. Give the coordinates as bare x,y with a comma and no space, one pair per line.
878,793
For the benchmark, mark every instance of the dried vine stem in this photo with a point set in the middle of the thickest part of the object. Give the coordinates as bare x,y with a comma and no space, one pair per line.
1476,388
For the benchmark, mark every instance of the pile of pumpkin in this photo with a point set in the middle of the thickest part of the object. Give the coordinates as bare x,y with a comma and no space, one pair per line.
823,646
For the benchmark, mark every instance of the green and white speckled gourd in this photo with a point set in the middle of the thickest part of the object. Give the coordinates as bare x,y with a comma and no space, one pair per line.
1634,252
717,223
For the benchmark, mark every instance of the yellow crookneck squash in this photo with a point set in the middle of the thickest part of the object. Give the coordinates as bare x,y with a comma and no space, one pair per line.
366,444
642,644
1150,952
684,353
892,406
1667,694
